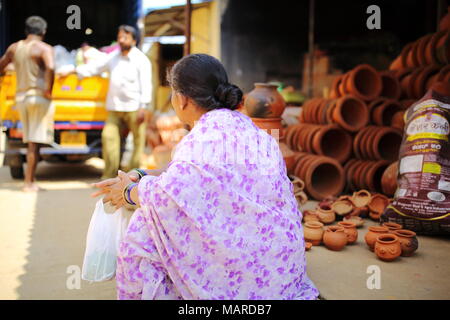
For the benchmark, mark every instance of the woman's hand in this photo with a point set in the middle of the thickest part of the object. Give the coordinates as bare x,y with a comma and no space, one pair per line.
116,190
105,185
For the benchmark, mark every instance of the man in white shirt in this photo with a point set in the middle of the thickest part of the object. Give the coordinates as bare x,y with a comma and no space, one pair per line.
129,95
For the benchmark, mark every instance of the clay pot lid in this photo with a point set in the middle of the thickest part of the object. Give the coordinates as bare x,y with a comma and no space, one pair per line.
405,233
361,198
378,203
314,224
387,238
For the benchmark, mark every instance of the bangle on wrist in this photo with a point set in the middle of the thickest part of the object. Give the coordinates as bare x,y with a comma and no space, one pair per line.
127,193
140,172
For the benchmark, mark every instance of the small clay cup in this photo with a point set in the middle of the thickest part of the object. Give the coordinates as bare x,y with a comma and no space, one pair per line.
392,226
408,241
372,234
335,238
387,247
313,232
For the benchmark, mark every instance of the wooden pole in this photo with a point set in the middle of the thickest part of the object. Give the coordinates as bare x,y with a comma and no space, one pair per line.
187,30
311,48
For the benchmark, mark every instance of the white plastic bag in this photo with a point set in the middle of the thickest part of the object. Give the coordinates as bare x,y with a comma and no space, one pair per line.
102,243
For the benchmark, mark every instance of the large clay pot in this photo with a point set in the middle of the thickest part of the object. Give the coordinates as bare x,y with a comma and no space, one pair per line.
408,242
372,234
386,143
335,238
272,126
350,113
364,82
392,226
313,232
264,102
333,142
387,247
350,231
382,114
326,214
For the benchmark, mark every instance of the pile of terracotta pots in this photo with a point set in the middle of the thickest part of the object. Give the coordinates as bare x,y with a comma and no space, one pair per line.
390,240
421,63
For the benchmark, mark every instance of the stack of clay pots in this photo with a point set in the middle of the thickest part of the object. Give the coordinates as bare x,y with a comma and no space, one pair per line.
390,240
359,127
421,63
265,105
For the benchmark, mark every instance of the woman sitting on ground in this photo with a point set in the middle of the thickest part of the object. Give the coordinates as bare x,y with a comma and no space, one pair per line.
221,222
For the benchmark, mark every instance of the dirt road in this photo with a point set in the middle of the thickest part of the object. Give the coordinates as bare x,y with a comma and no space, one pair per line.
42,235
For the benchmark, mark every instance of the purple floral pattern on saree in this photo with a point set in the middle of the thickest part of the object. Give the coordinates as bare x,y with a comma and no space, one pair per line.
221,223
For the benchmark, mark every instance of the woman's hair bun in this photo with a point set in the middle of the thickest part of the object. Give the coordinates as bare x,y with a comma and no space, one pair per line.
228,95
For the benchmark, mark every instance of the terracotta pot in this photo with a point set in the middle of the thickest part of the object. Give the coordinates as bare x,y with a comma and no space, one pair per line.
386,143
308,246
309,216
418,88
396,64
367,141
335,238
408,242
350,174
323,177
387,247
342,88
405,55
264,101
372,234
342,207
442,48
382,114
392,226
313,232
288,156
364,82
360,212
444,23
329,111
333,142
350,231
430,51
374,174
378,203
350,113
397,120
334,92
357,220
361,198
326,214
389,179
390,86
272,126
423,41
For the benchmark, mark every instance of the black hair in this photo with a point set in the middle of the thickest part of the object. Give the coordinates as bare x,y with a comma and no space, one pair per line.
129,29
35,25
203,78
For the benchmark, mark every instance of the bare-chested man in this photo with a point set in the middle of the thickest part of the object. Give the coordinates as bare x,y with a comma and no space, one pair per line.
34,65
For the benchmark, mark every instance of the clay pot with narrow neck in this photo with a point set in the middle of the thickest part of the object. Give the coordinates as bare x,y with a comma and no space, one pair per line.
335,238
313,232
264,101
387,247
350,231
326,214
408,241
392,226
372,234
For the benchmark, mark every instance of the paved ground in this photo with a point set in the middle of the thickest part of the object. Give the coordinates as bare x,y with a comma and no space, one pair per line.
42,236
